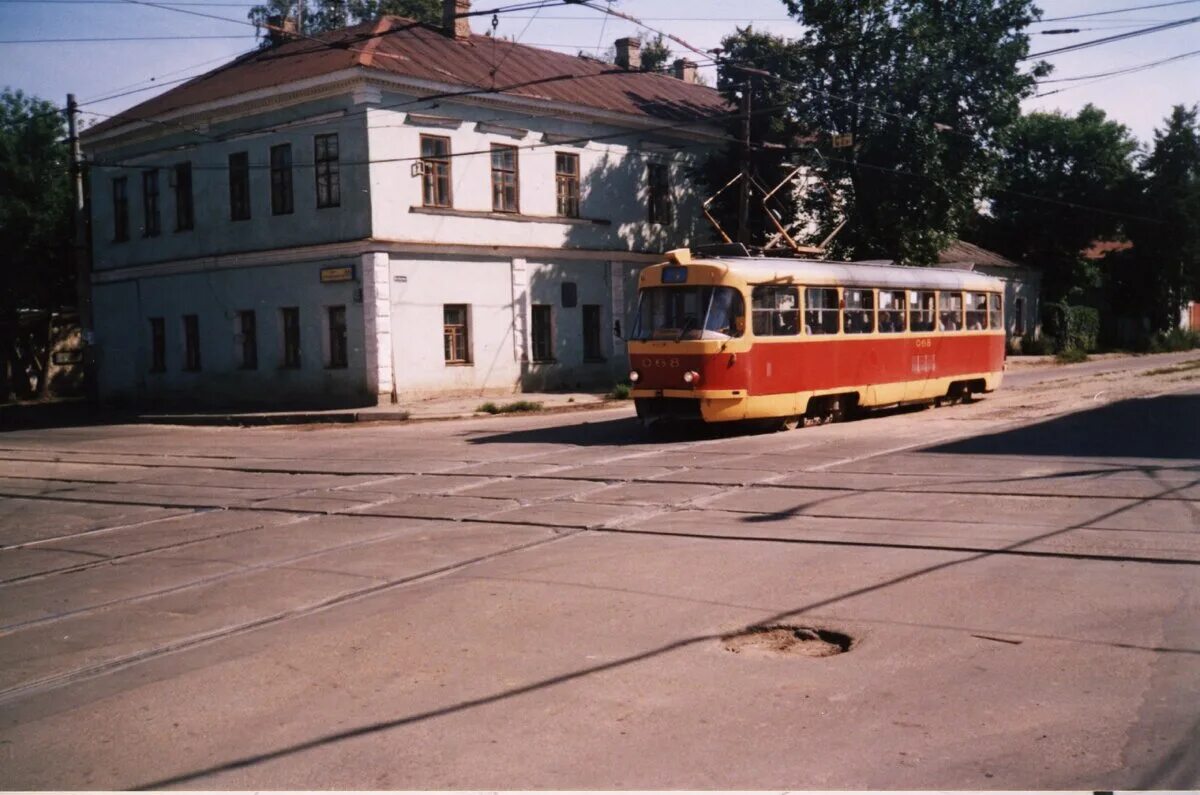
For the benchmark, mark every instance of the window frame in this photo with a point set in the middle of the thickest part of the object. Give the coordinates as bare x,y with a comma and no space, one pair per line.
502,176
151,210
853,316
283,195
944,315
456,336
826,329
120,198
327,166
566,185
191,343
918,308
995,312
239,186
769,315
291,355
659,209
593,332
975,317
185,208
337,337
893,312
541,319
436,169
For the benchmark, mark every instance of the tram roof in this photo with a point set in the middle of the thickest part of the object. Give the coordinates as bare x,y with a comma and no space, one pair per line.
852,274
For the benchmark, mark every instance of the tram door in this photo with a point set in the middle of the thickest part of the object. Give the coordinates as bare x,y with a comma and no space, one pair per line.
922,351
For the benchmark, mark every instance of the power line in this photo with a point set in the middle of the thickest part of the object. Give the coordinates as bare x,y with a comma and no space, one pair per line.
1118,11
1111,39
1122,71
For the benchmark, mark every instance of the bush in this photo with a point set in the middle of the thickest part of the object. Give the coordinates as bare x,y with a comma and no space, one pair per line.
509,408
1071,356
1074,327
488,408
1175,340
621,391
1037,346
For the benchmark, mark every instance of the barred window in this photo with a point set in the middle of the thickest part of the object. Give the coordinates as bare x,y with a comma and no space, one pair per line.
542,333
566,181
339,354
325,159
435,161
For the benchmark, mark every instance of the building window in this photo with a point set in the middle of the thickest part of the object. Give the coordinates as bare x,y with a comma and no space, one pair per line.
1019,317
891,311
505,190
456,342
153,223
184,215
281,179
435,162
239,186
592,351
821,310
325,157
859,317
339,357
191,343
120,192
950,307
774,311
658,182
542,333
566,181
977,309
158,345
920,310
247,340
289,317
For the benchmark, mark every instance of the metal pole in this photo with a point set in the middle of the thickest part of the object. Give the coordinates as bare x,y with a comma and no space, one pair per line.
80,254
743,222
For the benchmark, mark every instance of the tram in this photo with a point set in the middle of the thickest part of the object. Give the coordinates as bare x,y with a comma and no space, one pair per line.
723,339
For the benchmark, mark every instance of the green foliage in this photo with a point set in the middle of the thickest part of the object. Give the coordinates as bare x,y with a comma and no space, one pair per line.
1174,340
35,206
621,391
516,406
1075,327
324,15
1074,164
655,55
1071,356
923,86
1037,346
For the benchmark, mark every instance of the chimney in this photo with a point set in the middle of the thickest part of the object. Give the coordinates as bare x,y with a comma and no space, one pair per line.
454,23
684,70
281,29
629,53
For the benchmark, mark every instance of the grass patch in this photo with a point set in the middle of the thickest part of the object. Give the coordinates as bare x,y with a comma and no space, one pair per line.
1182,367
621,391
1071,356
515,407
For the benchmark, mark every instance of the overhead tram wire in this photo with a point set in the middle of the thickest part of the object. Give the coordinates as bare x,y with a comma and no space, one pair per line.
1112,39
1118,11
1122,71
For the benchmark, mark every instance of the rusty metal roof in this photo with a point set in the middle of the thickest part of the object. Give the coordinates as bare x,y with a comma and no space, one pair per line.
400,46
960,251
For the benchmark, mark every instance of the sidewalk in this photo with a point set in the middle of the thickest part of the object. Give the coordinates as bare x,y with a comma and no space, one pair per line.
440,408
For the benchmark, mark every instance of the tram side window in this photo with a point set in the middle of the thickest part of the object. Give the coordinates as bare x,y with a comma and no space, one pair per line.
891,311
859,317
950,307
977,309
821,310
920,310
997,316
775,311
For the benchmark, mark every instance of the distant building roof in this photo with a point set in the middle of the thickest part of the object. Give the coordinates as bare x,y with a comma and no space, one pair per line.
399,46
1099,249
962,254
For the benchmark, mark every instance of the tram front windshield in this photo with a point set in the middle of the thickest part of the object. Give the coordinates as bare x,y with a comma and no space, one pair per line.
689,313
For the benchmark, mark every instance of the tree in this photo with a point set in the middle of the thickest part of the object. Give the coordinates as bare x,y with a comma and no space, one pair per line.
923,87
319,16
35,214
1061,182
655,55
1162,270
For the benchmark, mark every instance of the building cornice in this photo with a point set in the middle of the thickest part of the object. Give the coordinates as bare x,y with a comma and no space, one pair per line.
299,255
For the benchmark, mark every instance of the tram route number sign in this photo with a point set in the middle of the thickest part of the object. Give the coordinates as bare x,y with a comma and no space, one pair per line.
676,274
338,273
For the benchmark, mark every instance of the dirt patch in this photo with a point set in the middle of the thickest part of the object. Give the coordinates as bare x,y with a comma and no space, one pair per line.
789,640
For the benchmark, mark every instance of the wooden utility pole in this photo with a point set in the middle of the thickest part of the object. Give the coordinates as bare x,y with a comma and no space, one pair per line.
743,218
81,254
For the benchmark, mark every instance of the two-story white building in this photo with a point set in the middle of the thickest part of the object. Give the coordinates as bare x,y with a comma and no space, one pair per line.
388,210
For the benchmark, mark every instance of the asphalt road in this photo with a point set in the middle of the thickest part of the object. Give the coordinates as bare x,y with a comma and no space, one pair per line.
545,602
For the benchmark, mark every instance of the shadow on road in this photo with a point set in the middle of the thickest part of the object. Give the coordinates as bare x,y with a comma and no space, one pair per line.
1159,427
611,433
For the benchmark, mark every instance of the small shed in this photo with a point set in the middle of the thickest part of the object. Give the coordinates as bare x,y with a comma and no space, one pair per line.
1022,285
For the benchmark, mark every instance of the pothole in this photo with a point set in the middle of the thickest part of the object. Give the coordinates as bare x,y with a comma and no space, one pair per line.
782,639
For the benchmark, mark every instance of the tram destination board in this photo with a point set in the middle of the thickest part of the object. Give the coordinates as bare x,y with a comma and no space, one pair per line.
674,274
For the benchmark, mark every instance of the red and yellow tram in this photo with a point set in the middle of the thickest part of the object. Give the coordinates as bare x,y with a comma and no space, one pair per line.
741,338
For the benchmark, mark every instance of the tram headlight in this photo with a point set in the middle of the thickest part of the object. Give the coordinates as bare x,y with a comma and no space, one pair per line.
634,376
691,377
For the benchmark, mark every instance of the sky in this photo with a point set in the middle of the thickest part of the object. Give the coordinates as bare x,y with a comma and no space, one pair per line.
95,71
